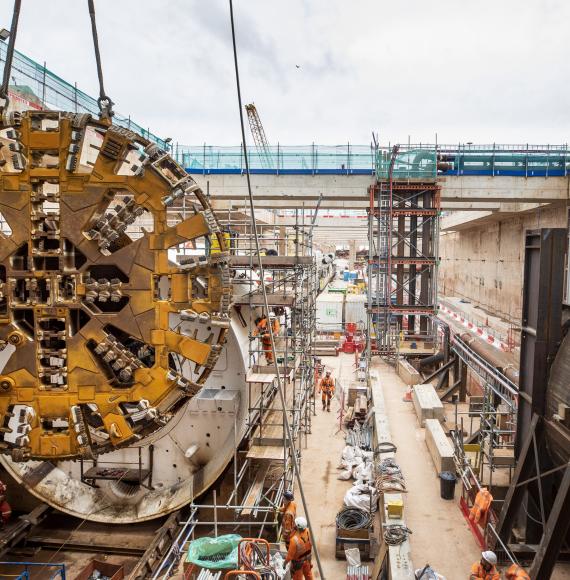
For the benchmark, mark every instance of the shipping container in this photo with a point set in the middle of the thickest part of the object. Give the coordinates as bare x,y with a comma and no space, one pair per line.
330,312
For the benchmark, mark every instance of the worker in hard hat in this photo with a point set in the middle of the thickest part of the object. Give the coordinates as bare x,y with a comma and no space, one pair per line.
289,511
326,388
486,568
262,330
515,572
300,551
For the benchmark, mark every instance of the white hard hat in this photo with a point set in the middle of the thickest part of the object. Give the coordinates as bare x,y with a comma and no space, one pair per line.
272,315
489,556
301,523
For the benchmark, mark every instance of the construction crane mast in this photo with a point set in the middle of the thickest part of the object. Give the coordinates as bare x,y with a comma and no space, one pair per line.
259,137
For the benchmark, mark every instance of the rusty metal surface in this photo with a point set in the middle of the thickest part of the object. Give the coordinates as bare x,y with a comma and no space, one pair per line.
87,292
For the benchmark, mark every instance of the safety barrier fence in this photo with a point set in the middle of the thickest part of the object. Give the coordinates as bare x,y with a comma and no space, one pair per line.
421,161
34,86
281,159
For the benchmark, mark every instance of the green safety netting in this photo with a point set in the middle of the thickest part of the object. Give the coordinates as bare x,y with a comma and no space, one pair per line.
219,553
302,157
408,164
41,88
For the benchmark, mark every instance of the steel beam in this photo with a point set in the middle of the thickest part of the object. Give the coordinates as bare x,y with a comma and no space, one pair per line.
541,320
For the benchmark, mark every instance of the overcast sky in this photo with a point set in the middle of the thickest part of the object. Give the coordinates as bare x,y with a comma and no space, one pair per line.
486,71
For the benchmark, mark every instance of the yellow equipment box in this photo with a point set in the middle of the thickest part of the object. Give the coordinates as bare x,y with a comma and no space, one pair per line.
395,509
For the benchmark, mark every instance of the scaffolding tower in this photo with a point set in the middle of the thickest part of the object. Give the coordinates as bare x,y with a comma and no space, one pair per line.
263,467
403,231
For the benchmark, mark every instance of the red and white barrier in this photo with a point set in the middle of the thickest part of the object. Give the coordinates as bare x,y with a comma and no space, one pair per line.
476,329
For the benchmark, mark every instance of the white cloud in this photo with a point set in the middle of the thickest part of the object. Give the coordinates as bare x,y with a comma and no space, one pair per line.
484,72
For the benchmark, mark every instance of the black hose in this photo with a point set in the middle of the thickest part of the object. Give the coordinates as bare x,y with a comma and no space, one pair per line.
350,518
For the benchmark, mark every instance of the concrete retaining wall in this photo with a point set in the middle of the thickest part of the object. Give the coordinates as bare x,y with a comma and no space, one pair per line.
484,263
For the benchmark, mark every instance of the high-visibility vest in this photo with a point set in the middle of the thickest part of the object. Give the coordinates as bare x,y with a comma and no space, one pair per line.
300,547
263,328
479,572
289,514
483,501
515,572
327,386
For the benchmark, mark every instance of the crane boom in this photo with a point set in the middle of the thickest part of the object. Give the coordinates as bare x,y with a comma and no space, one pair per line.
259,138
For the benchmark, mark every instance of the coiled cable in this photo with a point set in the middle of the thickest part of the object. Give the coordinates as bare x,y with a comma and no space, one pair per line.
389,478
350,518
396,534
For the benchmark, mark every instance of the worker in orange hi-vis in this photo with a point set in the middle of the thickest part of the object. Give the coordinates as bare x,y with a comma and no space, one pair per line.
289,511
480,510
515,572
262,330
326,388
300,552
486,568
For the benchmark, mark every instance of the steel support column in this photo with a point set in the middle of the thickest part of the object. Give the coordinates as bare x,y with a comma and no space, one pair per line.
541,320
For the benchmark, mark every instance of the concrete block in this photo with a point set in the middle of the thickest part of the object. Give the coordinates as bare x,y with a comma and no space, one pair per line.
408,373
427,404
439,446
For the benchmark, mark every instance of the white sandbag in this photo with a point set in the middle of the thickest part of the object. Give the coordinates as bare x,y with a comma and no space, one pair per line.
361,496
352,556
345,475
363,472
348,453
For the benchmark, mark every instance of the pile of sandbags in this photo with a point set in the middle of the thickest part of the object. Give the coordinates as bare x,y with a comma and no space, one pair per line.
359,465
356,464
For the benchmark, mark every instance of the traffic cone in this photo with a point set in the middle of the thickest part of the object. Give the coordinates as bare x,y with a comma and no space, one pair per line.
407,398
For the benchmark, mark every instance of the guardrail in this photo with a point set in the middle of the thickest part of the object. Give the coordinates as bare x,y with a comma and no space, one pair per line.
35,86
420,161
501,385
280,159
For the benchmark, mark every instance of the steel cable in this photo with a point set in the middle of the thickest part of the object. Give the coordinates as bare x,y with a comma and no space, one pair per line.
10,51
389,478
290,441
105,103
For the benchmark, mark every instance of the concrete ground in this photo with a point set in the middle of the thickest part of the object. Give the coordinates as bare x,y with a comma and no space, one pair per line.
441,535
427,515
324,492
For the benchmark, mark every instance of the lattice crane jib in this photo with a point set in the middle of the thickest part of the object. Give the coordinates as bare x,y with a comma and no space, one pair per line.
90,355
259,138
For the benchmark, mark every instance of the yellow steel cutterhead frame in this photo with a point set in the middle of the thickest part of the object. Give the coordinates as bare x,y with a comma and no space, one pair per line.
86,306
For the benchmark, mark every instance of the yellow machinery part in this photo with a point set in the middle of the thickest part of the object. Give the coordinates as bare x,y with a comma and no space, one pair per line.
88,287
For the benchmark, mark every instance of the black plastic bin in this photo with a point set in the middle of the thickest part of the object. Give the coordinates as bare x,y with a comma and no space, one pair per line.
447,482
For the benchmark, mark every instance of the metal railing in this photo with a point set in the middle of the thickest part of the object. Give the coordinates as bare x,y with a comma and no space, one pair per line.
312,159
502,386
419,161
36,87
48,570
